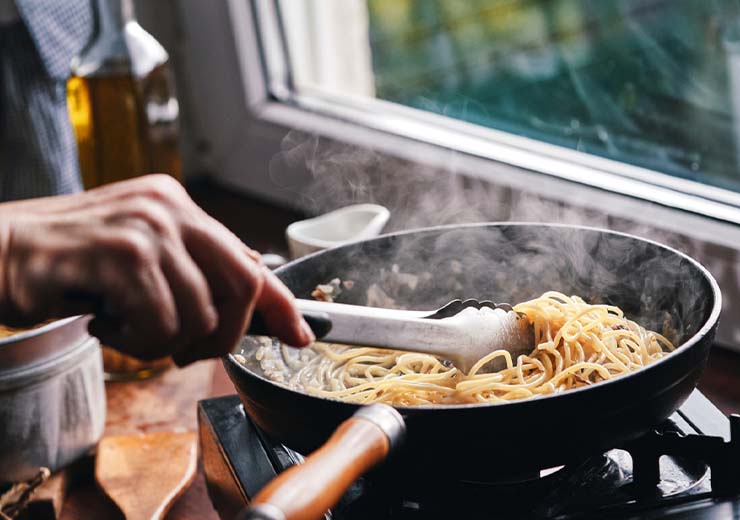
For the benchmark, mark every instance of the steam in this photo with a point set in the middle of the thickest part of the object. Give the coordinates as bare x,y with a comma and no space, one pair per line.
417,196
660,290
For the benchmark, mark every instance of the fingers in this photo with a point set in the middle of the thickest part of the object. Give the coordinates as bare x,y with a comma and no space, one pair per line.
236,283
139,312
149,306
197,314
234,316
239,284
277,306
157,309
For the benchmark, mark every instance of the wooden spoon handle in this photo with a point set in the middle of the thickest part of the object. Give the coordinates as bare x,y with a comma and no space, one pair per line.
308,490
144,474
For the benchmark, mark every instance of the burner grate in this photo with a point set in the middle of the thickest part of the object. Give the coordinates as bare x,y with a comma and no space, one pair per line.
697,432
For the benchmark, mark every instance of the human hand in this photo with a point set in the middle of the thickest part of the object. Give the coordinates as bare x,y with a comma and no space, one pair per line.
160,276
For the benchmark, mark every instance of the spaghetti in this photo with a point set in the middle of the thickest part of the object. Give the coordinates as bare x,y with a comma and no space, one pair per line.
576,344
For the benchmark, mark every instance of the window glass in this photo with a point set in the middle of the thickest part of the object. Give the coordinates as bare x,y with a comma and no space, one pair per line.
654,83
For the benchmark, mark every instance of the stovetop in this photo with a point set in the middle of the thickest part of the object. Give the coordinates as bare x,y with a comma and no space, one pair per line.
685,468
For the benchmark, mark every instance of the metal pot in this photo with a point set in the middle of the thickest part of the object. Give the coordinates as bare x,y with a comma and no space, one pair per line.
52,397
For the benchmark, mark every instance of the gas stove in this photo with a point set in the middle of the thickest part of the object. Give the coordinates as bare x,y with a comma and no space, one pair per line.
684,468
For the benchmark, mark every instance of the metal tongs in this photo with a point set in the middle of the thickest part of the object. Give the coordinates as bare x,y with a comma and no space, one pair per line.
460,331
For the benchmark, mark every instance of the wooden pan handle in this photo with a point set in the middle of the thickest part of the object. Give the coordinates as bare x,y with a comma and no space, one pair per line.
308,490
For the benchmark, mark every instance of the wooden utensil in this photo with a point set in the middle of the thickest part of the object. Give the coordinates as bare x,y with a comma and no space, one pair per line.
145,474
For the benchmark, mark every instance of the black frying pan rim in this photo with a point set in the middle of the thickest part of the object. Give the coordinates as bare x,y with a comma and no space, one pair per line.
679,351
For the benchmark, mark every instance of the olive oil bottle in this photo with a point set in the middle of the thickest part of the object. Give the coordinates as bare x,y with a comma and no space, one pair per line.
122,101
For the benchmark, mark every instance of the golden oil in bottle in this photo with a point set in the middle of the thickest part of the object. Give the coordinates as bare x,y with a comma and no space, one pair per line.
122,101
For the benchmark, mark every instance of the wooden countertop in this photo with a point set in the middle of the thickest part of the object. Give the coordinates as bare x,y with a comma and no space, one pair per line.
169,401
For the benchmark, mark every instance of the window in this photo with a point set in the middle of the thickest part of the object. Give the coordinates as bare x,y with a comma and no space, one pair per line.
646,82
615,114
653,84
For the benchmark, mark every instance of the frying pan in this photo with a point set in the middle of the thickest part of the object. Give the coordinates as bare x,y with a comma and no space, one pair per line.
658,287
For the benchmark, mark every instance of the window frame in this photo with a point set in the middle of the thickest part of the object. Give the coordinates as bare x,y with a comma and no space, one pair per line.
459,136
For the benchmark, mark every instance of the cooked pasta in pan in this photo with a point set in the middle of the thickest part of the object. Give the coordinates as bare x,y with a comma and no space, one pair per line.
576,344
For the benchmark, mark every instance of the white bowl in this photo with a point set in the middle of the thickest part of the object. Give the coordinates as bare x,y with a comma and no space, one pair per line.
347,224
